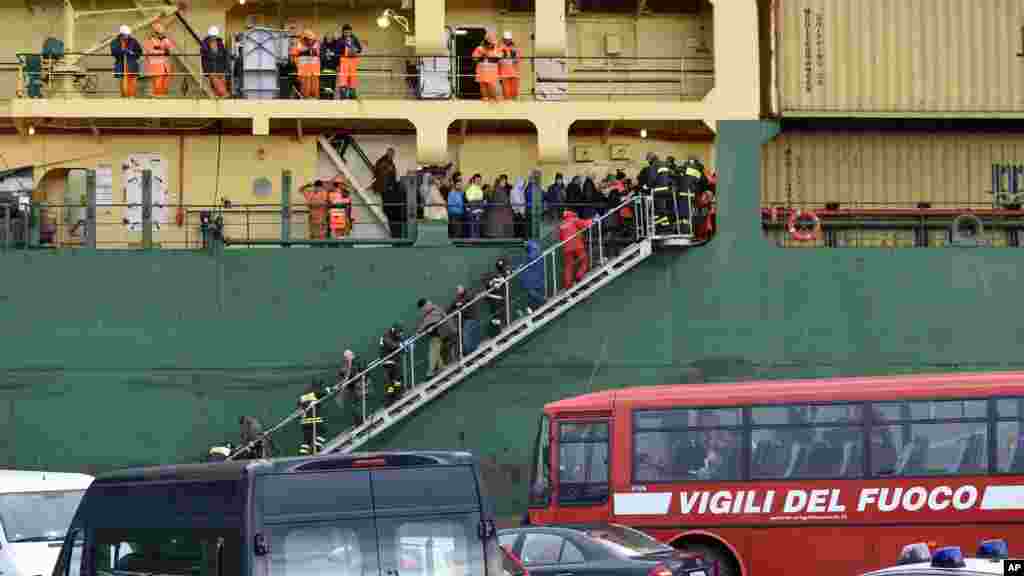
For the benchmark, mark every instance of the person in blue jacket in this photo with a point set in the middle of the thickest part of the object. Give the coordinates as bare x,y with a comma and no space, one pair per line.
532,277
126,51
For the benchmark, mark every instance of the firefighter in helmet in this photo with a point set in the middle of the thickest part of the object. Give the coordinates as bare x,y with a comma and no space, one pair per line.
313,424
391,342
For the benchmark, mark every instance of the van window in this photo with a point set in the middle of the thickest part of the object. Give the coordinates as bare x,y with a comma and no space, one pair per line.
437,487
173,552
166,505
311,494
446,545
345,547
38,516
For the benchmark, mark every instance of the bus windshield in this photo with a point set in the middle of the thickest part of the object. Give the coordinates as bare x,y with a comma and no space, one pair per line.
38,516
627,540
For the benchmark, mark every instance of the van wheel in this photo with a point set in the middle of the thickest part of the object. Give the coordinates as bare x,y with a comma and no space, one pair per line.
727,565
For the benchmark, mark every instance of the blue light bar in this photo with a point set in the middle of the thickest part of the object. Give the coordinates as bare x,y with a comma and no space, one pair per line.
914,554
994,549
948,557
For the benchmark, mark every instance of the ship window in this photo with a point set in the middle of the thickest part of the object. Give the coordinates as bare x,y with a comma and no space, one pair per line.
262,188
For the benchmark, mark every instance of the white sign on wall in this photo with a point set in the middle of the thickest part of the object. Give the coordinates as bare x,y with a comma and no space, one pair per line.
131,186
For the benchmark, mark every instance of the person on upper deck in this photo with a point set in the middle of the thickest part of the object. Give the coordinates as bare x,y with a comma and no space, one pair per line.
126,51
486,57
215,61
158,63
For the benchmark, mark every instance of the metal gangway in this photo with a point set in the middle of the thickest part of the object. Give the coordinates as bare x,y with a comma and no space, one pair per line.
634,245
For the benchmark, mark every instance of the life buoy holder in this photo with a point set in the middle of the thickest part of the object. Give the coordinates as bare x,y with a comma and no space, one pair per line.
802,234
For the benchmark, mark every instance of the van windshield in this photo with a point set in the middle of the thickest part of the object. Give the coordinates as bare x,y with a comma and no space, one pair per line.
38,516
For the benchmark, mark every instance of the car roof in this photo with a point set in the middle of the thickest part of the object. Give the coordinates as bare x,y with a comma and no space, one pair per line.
582,527
22,481
973,567
238,469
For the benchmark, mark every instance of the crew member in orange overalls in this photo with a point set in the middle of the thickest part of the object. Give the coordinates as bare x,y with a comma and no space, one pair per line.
508,68
574,251
348,64
158,63
316,203
341,209
486,57
306,55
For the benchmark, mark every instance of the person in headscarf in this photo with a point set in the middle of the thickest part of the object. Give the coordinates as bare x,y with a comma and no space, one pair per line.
126,51
500,217
215,61
385,182
592,199
306,54
158,63
436,208
518,200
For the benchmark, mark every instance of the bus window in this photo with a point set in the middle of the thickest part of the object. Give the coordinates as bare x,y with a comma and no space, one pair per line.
583,462
806,441
540,478
686,444
1010,445
334,547
933,438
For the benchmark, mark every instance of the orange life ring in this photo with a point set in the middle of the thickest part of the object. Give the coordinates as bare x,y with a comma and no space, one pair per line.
803,235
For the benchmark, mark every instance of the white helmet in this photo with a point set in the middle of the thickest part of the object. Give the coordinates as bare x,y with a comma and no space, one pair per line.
507,35
213,31
125,31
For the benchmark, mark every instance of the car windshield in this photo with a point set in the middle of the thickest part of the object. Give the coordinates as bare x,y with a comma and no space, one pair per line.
38,516
626,540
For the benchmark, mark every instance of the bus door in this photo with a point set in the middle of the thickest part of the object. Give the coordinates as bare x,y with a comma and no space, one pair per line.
582,457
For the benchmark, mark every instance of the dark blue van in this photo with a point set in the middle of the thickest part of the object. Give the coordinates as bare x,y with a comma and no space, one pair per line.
370,514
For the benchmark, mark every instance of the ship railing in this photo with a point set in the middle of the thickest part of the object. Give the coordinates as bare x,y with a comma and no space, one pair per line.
174,226
356,401
380,76
893,224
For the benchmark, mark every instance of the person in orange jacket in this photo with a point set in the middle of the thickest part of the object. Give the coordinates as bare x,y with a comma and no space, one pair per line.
158,62
306,55
486,57
574,249
349,49
316,203
341,209
508,68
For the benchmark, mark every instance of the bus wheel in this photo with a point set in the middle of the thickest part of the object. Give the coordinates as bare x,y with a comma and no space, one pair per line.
712,553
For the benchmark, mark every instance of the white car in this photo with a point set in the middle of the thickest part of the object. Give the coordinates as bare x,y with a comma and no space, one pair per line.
35,512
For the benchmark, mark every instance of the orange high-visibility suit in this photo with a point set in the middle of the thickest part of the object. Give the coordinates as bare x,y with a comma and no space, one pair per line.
316,202
486,57
341,214
306,54
348,63
574,251
158,63
508,69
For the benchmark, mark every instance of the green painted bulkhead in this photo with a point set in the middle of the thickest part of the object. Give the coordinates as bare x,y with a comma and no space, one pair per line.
122,359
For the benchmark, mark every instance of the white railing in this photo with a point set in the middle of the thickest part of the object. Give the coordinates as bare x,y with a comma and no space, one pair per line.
604,238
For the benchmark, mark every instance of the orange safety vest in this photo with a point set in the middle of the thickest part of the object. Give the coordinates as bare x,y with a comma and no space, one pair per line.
508,66
487,66
156,51
307,65
340,218
315,201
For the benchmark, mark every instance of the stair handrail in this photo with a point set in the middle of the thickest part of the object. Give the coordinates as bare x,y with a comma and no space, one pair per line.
637,200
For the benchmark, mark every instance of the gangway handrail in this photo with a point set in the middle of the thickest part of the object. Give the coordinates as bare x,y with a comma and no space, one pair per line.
641,204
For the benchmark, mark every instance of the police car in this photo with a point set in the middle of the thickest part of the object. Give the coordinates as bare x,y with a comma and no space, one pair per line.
918,560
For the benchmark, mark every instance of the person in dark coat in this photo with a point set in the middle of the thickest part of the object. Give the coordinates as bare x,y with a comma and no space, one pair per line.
215,61
390,343
554,197
385,185
501,220
574,195
126,51
470,324
355,391
495,284
250,430
592,199
532,277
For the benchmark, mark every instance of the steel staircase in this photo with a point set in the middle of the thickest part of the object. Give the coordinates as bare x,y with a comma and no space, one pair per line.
636,244
350,160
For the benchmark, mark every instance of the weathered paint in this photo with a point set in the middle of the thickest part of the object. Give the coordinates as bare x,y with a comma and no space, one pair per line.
878,168
879,57
114,360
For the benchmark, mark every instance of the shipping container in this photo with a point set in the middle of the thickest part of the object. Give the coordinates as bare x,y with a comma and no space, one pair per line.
926,58
894,170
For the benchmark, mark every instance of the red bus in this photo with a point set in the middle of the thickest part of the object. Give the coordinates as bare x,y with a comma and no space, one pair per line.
773,477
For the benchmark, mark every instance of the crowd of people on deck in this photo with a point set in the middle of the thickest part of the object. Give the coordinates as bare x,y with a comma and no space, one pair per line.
335,56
